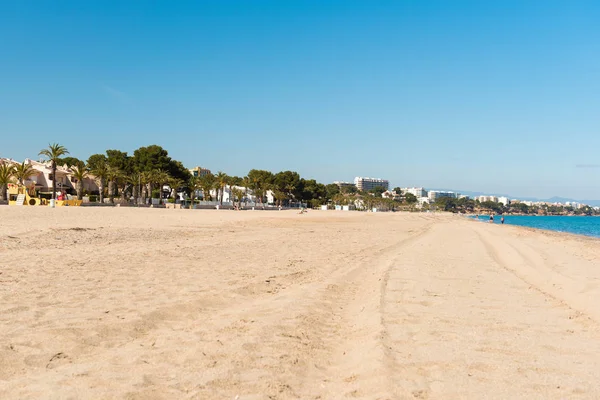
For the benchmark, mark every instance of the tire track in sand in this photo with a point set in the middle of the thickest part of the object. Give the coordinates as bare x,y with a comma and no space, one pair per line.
525,264
458,323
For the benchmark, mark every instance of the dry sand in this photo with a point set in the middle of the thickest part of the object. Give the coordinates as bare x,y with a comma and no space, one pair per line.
146,303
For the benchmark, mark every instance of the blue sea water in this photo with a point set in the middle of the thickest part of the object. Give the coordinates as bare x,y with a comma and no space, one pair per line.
589,226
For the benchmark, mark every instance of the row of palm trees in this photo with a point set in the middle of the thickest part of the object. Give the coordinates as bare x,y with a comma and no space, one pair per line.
114,181
207,183
137,184
127,182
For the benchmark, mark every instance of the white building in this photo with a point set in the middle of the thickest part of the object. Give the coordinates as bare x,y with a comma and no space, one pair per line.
388,194
228,195
487,198
504,200
423,200
199,172
417,192
42,177
342,184
436,194
366,184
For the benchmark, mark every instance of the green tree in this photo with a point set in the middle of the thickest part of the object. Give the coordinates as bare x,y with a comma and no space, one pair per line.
313,192
287,186
155,158
235,181
159,178
68,161
446,204
23,172
193,185
238,194
120,166
98,167
377,191
246,185
113,174
492,206
349,189
53,153
80,172
331,190
151,158
260,181
207,183
6,176
176,185
410,198
221,181
178,171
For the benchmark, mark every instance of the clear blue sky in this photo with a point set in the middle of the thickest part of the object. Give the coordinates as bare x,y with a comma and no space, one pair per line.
499,97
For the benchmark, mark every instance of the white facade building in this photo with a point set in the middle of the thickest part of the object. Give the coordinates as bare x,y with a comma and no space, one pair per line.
504,200
42,177
342,184
388,194
370,183
436,194
423,200
487,198
417,192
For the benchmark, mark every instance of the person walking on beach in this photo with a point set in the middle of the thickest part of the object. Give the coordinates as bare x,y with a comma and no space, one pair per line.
491,218
502,220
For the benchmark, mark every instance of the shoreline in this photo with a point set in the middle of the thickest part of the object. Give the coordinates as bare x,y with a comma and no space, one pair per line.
543,230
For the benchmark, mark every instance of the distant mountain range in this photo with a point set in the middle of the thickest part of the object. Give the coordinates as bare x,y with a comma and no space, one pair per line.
555,199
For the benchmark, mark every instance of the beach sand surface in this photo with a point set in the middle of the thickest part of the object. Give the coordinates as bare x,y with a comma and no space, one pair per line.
124,303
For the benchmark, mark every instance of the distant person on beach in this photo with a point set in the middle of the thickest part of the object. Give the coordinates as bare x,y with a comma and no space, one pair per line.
491,218
502,220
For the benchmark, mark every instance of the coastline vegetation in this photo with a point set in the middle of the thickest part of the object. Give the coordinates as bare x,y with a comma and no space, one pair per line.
470,206
142,175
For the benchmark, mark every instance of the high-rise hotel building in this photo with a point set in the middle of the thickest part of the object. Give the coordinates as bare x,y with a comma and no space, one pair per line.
366,184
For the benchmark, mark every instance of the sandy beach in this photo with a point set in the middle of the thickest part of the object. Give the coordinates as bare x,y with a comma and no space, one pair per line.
112,303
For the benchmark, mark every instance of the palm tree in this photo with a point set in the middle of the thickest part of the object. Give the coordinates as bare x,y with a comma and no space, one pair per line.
135,180
6,177
123,184
222,180
146,185
112,175
80,172
175,184
260,185
54,152
160,178
100,172
246,185
23,172
206,184
193,185
217,188
238,194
